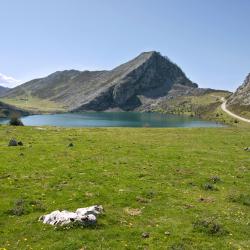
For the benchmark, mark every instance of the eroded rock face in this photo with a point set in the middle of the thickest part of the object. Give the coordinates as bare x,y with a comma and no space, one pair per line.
150,75
240,100
82,216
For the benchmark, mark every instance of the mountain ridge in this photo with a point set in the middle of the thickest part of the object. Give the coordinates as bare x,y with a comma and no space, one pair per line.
3,90
147,76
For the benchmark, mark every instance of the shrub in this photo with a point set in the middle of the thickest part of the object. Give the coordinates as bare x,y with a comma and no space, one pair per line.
209,186
15,121
209,226
242,198
37,205
177,246
215,179
18,208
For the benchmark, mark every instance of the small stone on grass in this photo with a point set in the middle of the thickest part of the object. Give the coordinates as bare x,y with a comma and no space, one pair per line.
145,235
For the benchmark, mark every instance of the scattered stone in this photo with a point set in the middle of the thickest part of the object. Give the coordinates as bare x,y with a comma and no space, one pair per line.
20,143
145,235
13,143
247,149
187,206
206,200
71,145
82,216
167,233
133,211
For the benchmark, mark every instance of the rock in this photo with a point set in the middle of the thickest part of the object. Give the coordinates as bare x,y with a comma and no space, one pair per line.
20,143
240,100
71,145
13,143
145,235
82,216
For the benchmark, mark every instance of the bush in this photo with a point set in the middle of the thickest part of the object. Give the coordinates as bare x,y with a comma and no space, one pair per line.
18,208
209,226
242,199
15,121
209,186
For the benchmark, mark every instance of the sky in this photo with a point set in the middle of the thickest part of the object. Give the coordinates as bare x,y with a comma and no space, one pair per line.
209,40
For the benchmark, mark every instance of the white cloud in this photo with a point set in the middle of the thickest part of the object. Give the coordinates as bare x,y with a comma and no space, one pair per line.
8,81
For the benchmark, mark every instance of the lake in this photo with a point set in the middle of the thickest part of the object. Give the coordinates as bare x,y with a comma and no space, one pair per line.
115,119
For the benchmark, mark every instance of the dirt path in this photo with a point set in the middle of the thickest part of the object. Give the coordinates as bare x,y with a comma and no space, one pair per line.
224,108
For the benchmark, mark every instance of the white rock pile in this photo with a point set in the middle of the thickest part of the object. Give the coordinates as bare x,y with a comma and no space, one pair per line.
82,216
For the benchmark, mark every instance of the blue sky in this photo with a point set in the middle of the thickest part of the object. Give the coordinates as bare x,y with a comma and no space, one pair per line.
209,40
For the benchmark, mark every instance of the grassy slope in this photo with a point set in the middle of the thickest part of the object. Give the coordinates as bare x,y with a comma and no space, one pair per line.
159,171
35,105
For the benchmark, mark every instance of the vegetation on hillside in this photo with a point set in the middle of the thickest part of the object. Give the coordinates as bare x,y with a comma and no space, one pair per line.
15,121
34,105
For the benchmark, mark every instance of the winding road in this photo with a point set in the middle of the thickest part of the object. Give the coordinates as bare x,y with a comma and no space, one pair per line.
224,108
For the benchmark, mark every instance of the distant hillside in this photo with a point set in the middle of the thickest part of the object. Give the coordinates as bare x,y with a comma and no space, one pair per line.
3,90
136,84
9,110
239,102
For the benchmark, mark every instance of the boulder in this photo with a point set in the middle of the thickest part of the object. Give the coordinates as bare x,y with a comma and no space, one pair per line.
13,143
82,216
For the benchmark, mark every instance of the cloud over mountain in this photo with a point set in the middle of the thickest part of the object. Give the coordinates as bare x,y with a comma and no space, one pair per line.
8,81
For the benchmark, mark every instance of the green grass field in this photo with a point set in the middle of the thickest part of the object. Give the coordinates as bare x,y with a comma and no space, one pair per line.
158,181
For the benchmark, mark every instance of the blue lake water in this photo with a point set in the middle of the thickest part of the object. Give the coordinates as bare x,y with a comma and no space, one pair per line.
114,119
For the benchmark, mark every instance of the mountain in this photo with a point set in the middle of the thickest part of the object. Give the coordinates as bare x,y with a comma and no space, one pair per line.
3,90
130,86
239,102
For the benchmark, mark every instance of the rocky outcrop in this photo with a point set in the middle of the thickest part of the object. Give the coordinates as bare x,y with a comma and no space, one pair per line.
144,79
240,100
82,216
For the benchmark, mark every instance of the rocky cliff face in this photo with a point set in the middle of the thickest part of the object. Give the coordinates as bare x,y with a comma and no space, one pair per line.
134,84
240,100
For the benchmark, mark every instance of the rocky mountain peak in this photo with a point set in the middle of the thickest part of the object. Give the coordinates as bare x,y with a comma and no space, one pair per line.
240,100
145,78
